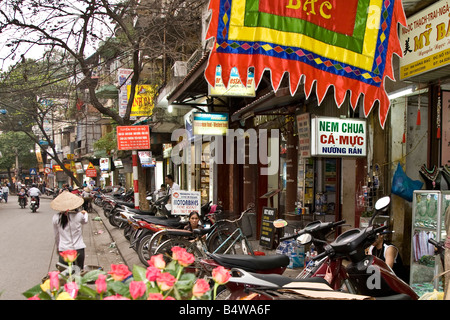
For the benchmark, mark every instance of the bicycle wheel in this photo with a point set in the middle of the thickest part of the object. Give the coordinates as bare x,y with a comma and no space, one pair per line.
166,250
218,238
147,247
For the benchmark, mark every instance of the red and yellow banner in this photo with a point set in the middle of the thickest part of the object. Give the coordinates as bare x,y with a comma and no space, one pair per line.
346,44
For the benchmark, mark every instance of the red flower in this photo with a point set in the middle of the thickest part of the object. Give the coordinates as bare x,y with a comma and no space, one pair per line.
221,275
165,281
200,288
54,280
36,297
152,273
184,258
72,289
69,256
155,296
157,261
100,284
137,289
119,272
116,297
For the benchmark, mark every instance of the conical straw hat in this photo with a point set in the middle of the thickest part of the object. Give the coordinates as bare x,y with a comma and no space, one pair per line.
66,201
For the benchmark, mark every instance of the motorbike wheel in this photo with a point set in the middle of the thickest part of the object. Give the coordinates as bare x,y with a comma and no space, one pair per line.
115,221
127,230
33,209
146,247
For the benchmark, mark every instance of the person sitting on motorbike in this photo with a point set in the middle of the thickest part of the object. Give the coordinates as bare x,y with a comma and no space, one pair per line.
389,254
35,192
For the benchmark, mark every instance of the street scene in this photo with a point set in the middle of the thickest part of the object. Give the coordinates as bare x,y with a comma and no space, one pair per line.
225,150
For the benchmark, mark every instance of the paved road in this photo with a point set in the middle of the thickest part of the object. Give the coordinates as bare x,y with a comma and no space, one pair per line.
26,247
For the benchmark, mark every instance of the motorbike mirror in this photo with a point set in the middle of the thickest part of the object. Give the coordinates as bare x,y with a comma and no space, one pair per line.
382,203
304,239
280,223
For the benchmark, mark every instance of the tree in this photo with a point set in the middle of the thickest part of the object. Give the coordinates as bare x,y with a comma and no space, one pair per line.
15,149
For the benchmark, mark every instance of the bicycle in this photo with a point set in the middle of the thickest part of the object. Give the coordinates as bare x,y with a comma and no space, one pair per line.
201,246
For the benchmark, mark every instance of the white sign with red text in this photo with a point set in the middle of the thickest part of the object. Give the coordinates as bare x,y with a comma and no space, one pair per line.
336,137
184,202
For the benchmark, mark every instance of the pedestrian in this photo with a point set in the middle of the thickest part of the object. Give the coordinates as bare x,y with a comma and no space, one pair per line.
68,225
5,191
172,184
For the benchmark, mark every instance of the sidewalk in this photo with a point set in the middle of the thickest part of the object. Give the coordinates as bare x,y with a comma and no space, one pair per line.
107,245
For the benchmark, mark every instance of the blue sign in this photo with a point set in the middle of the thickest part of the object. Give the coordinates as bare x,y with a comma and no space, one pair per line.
33,171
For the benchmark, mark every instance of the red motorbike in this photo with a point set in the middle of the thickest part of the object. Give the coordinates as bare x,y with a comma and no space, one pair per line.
362,275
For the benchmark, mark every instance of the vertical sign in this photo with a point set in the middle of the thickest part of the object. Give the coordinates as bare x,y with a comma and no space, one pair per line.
304,135
124,77
267,228
445,127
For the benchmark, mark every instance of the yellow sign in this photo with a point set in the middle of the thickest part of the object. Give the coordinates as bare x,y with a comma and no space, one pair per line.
70,156
143,103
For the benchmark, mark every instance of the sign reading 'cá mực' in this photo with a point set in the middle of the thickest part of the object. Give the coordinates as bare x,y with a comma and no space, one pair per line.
336,137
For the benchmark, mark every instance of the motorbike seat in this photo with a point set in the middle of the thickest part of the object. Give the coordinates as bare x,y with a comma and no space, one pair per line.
141,212
251,263
163,221
125,203
400,296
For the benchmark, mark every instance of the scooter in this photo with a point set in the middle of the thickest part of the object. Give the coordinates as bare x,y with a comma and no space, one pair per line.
364,275
23,200
34,204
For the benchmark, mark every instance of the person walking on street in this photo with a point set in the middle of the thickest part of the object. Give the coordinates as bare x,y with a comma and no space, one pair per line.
5,191
68,225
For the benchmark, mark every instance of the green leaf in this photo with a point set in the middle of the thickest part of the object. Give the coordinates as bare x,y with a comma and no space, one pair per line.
91,276
86,292
33,291
139,273
119,287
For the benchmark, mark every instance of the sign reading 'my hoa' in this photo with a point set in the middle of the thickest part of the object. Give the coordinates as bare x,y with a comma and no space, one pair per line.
336,137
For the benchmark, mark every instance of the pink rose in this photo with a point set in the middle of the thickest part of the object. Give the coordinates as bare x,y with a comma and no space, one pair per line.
119,272
165,281
185,258
36,297
100,284
54,280
116,297
155,296
157,261
176,251
221,275
169,298
200,288
152,273
69,256
72,289
137,289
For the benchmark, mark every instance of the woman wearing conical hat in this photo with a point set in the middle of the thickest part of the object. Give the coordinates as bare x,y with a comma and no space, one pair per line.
68,223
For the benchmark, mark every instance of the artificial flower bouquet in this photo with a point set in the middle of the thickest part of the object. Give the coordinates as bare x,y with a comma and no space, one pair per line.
160,281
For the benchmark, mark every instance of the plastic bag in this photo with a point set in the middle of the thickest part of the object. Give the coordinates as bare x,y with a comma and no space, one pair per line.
435,295
404,186
295,253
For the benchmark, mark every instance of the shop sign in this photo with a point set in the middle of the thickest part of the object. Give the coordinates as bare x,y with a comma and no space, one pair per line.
143,103
235,87
124,78
184,202
91,172
79,167
146,159
267,228
335,137
167,150
210,124
133,137
104,164
57,168
118,163
304,135
445,141
425,40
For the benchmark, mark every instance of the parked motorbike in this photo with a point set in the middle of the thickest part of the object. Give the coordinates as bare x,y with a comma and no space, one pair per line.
34,203
364,275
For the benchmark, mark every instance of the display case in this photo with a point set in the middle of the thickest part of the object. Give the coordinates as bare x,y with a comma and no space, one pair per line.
306,184
428,221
